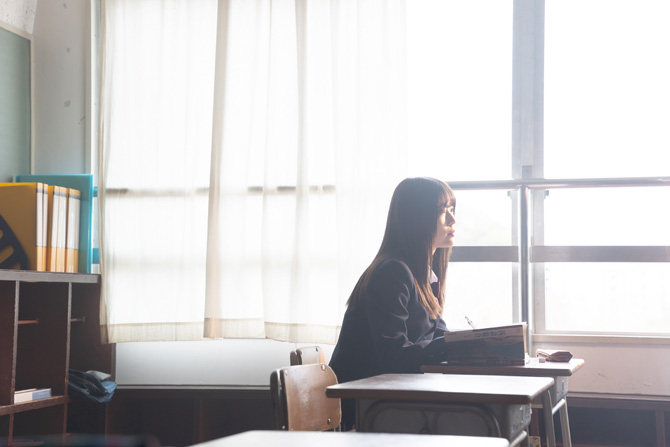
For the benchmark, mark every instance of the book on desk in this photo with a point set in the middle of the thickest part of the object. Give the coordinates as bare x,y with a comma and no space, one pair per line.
498,345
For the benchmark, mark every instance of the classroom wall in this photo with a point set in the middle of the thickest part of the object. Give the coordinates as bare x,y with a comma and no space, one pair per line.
59,71
59,39
619,368
16,27
18,13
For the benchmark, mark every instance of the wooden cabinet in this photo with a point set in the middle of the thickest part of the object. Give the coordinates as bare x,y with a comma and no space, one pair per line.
49,322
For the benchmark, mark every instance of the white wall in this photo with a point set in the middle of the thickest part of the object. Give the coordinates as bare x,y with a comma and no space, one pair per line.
619,368
60,42
18,13
217,362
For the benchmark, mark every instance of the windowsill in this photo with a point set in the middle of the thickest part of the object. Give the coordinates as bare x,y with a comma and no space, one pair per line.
192,387
602,339
632,399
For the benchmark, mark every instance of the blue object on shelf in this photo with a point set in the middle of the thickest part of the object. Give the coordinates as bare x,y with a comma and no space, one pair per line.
83,183
92,385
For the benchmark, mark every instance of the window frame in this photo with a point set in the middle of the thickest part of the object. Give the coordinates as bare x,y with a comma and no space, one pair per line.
528,203
527,178
530,257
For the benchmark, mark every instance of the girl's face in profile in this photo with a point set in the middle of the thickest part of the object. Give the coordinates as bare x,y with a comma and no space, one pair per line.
445,232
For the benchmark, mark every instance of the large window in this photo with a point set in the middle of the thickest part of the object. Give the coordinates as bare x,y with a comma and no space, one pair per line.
607,88
525,91
549,119
459,82
606,96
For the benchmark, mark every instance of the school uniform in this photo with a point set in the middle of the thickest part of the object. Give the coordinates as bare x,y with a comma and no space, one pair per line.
388,330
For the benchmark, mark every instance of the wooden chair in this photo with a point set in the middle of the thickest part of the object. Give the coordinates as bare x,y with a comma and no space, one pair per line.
299,398
307,355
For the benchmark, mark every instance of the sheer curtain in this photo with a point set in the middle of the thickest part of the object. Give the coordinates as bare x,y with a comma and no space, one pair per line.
258,182
157,83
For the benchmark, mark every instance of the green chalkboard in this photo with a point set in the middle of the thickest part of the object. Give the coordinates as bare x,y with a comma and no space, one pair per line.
15,110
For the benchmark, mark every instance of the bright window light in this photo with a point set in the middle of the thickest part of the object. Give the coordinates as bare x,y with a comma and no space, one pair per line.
607,88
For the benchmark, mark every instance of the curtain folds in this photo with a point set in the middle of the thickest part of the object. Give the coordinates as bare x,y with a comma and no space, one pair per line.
156,104
276,150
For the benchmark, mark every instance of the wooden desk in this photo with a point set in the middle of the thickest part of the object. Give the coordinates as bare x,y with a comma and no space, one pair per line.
556,398
474,405
277,438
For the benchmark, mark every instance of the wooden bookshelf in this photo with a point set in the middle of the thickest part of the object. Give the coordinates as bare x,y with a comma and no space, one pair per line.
49,322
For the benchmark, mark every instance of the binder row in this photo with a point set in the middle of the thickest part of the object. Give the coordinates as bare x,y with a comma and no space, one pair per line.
39,227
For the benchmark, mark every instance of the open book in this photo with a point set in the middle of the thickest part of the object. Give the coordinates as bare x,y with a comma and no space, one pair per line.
499,345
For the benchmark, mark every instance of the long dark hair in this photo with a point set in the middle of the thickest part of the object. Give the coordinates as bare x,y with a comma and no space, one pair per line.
410,228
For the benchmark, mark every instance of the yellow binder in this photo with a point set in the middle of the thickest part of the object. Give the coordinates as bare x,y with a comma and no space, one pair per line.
57,228
72,238
23,226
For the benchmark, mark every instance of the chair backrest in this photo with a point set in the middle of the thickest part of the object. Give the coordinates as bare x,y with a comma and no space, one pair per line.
299,398
307,355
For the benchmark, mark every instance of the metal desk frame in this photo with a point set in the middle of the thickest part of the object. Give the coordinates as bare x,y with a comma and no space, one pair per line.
553,401
501,402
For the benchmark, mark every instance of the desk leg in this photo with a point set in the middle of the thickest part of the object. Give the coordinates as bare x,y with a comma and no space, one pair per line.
565,425
548,411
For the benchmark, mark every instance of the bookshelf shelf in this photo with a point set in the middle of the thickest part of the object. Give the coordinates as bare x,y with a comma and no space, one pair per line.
39,343
34,405
35,321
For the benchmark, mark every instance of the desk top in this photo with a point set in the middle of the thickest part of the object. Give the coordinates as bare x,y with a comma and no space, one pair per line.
453,388
534,369
277,438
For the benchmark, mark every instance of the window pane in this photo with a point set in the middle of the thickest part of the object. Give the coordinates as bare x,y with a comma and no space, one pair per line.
459,108
607,216
142,261
481,291
608,297
607,88
483,218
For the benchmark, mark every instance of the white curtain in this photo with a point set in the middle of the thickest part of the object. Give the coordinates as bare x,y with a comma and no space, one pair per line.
155,139
247,162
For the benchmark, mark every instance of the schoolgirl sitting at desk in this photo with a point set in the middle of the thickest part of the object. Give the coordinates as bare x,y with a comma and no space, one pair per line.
393,322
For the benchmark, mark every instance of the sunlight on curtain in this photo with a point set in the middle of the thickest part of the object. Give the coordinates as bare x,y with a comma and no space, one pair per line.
156,107
309,142
273,212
